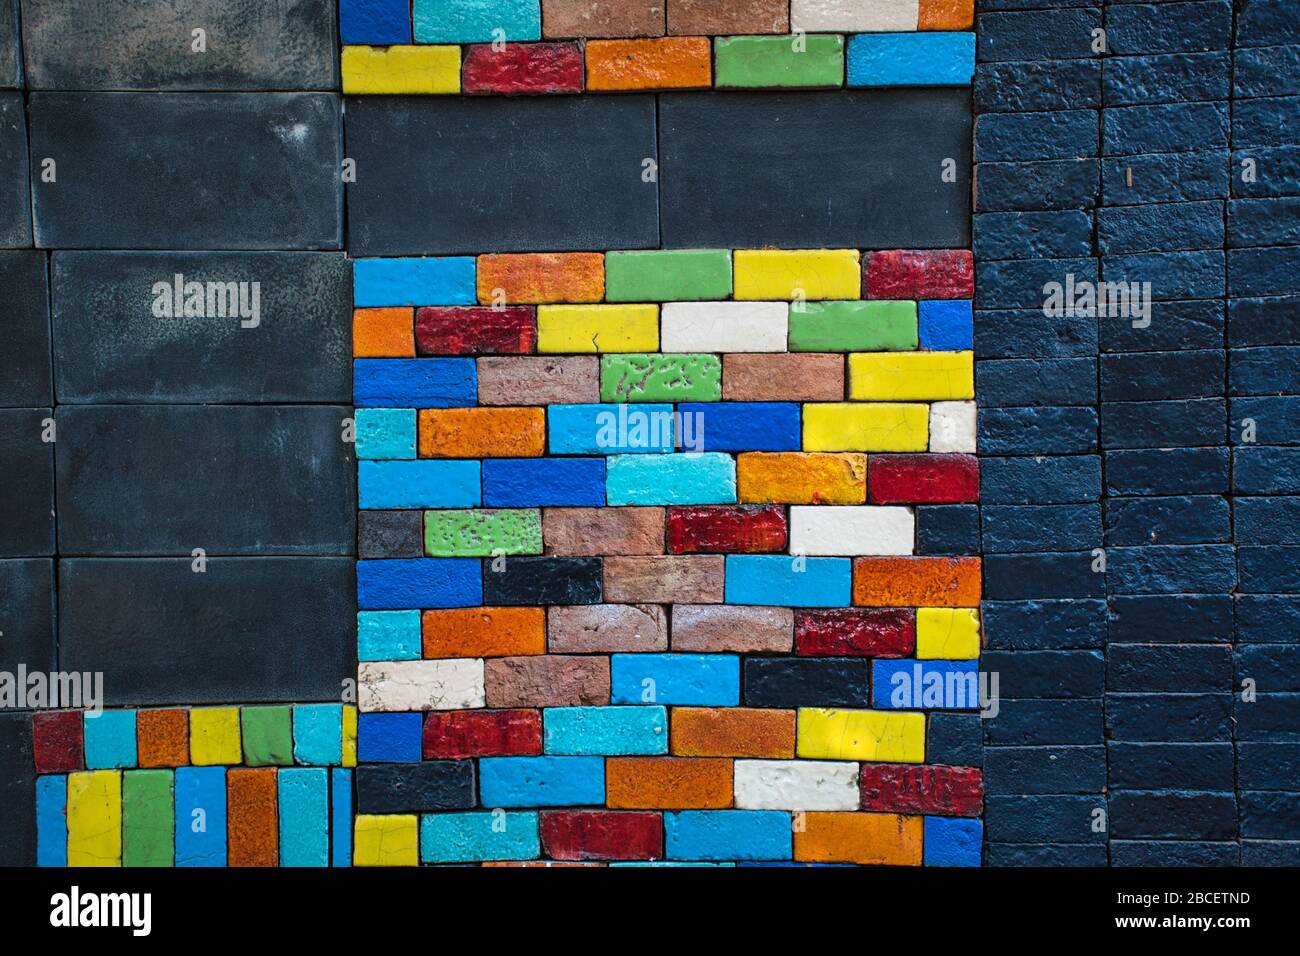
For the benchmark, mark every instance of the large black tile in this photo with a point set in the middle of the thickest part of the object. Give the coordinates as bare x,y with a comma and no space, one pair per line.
15,190
25,359
26,614
17,791
11,63
27,477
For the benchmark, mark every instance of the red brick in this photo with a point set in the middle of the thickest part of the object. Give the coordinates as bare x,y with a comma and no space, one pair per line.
900,788
523,68
457,734
923,479
600,835
918,274
855,632
726,529
58,742
476,330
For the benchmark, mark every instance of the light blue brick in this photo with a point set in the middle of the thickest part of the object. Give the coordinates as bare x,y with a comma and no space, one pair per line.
728,835
946,325
385,432
769,579
704,680
951,841
476,21
418,484
398,282
200,816
318,734
929,685
52,820
304,804
389,636
110,739
606,730
474,837
678,479
911,59
341,816
541,781
609,429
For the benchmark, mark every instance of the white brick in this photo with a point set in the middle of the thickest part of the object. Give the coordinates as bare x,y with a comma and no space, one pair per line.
452,684
851,530
855,15
725,327
796,785
952,427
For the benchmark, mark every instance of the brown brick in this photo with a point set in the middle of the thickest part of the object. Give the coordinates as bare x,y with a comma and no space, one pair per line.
732,629
163,738
606,629
547,681
732,732
689,579
602,18
667,783
783,377
603,531
723,17
538,379
252,821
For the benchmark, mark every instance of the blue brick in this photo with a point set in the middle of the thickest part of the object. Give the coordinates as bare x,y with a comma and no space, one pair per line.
686,479
389,738
200,816
479,836
955,740
341,817
1182,766
385,432
1266,471
1270,570
1167,471
1015,137
1021,577
425,483
388,636
1160,228
1169,27
478,21
398,282
51,820
1015,333
1185,519
1047,674
1175,619
929,685
536,482
1169,853
1169,127
1270,853
742,426
1188,324
304,814
1172,275
415,383
1044,625
1165,177
950,841
1011,382
1162,424
1277,420
1032,85
1022,283
1277,171
1042,722
1262,765
1264,222
609,429
1270,717
1267,520
1008,481
318,734
1033,235
1265,121
1051,184
1166,718
1181,815
947,529
541,781
1267,320
110,739
606,730
375,22
1172,569
946,325
1037,819
1268,619
1159,376
1037,35
1037,431
419,583
699,680
728,835
1045,854
783,579
911,59
1012,528
1166,78
1271,71
1268,22
1181,668
1264,271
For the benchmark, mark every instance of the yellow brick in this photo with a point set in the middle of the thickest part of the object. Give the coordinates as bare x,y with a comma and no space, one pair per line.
947,633
214,736
349,736
95,818
598,328
800,274
386,841
911,376
401,69
879,735
878,426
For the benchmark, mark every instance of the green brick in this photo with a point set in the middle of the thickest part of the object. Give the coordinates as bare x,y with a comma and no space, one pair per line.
147,818
480,534
774,61
268,736
677,275
660,377
878,325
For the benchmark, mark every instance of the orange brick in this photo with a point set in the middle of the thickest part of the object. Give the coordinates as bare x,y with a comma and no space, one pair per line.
484,632
799,478
947,15
667,783
916,582
252,831
661,64
732,732
163,738
383,333
886,839
537,278
482,432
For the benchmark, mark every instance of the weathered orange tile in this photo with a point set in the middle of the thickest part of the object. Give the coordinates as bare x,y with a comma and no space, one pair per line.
252,833
537,278
482,432
662,64
886,839
947,15
484,632
383,333
731,732
916,582
797,478
667,783
163,738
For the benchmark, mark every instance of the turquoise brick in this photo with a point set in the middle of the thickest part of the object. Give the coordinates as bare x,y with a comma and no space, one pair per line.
541,781
678,479
783,579
418,484
110,739
606,730
702,680
728,835
318,734
341,816
476,21
389,636
385,432
609,429
304,804
52,820
395,282
911,59
474,837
